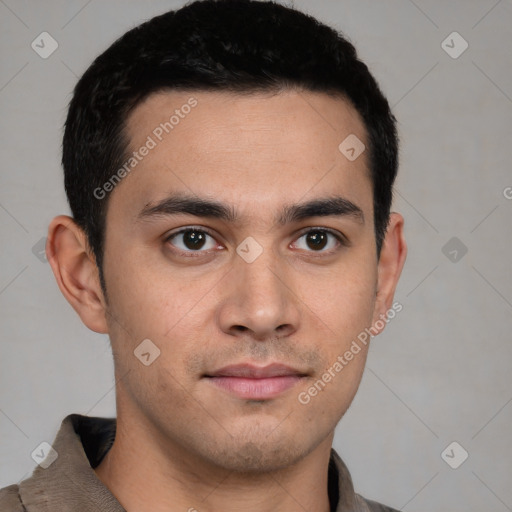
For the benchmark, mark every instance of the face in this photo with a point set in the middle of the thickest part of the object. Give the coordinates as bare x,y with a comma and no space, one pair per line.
251,300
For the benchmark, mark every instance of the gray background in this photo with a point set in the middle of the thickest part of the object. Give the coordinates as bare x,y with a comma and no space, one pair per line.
441,370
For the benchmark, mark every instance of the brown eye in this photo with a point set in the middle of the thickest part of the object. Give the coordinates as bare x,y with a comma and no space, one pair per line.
316,240
192,239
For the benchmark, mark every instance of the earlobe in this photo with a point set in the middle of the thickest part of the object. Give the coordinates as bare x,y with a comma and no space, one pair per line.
391,261
75,270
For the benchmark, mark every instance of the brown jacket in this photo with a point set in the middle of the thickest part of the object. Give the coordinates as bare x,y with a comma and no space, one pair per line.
69,483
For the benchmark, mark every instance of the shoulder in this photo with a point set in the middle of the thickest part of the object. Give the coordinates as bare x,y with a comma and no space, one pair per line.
10,499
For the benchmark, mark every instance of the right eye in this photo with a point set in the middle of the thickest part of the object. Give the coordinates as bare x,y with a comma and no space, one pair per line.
192,239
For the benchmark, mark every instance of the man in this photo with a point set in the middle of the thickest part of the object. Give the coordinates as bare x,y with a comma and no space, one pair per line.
229,168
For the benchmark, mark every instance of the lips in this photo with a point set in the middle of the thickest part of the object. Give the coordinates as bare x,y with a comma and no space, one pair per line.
254,382
249,371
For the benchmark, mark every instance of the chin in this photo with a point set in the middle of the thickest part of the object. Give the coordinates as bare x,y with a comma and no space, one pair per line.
256,445
253,457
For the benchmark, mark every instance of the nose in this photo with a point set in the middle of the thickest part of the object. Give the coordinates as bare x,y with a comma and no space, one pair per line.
258,300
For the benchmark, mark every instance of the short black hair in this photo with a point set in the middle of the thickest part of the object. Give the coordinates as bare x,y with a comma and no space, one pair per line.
239,46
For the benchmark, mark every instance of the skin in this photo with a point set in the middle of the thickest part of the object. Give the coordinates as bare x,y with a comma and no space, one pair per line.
182,442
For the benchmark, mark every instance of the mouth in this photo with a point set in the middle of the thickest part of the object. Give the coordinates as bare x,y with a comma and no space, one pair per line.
255,382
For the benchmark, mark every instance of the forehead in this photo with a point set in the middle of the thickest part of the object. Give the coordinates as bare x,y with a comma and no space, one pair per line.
317,115
261,147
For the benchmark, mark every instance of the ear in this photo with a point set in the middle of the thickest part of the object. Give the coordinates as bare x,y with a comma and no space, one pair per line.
391,261
74,268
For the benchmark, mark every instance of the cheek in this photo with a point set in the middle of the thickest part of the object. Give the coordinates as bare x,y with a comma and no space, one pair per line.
163,306
343,309
343,299
150,298
329,393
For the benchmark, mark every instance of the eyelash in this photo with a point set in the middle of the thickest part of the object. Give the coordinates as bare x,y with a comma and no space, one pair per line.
342,241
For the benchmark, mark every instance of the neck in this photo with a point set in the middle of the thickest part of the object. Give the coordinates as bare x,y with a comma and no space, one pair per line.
144,471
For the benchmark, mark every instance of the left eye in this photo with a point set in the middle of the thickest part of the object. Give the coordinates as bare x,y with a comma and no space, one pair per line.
318,239
193,240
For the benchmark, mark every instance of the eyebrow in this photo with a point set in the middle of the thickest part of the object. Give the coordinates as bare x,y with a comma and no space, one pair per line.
208,208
